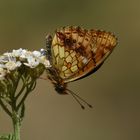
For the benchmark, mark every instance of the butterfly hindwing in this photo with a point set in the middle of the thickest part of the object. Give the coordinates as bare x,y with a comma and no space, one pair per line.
77,52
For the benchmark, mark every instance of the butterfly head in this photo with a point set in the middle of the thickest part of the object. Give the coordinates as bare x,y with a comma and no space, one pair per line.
60,88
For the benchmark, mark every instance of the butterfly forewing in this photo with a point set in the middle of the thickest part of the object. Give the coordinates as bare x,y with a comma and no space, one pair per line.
77,52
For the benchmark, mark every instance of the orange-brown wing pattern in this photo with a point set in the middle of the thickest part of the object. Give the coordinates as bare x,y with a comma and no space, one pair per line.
77,51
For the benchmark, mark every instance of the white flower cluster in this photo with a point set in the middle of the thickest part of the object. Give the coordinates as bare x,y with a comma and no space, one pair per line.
12,60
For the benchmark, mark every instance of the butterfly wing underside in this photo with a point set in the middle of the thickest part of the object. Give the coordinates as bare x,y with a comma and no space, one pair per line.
77,52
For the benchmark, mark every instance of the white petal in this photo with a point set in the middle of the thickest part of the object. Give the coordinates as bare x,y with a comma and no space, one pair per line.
36,53
32,62
2,73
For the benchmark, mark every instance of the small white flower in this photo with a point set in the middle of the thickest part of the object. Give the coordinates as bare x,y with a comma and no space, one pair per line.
32,62
4,58
44,61
36,53
47,63
17,53
24,55
12,65
7,54
2,73
2,66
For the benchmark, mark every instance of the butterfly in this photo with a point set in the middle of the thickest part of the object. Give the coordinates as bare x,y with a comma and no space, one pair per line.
75,53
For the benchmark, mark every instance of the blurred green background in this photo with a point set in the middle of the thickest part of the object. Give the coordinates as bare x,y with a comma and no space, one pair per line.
114,90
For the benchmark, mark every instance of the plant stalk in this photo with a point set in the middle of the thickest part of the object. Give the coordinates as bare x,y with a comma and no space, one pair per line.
16,126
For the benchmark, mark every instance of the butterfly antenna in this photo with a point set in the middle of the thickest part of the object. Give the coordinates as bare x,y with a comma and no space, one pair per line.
75,95
76,99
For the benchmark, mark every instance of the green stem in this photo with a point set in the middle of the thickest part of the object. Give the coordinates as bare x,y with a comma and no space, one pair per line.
16,125
7,137
5,108
4,137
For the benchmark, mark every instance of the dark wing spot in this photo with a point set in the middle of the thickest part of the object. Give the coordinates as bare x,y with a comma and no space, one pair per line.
61,36
68,42
74,41
94,35
86,39
79,43
81,35
81,50
68,33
